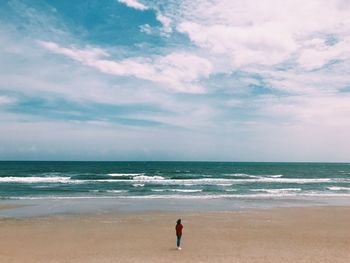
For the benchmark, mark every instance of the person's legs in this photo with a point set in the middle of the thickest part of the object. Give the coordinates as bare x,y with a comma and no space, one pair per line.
178,241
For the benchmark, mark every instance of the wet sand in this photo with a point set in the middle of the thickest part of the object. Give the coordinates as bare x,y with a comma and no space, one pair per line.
317,234
2,206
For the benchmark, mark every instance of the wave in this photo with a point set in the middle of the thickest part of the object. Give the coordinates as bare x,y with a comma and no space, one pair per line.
238,196
277,191
117,191
108,191
255,176
242,175
216,181
141,179
178,190
35,179
138,185
125,174
199,197
186,190
59,197
148,178
337,188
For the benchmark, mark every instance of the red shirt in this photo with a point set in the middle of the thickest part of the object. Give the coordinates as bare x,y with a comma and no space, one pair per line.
179,228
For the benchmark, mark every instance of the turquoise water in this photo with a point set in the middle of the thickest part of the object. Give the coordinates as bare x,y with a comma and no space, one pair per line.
171,180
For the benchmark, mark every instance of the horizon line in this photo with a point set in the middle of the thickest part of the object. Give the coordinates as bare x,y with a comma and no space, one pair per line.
178,161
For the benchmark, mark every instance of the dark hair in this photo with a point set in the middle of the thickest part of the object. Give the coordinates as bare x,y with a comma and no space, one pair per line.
178,221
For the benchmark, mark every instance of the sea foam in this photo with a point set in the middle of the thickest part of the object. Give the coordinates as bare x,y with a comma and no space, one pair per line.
277,191
35,179
148,178
213,181
338,188
125,174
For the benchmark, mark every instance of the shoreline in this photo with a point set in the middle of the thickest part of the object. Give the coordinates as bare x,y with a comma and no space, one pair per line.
8,206
32,208
308,234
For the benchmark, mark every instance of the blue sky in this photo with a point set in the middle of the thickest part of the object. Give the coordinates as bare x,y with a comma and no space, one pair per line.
175,80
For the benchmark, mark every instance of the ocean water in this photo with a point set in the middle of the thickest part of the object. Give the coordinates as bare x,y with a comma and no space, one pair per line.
172,180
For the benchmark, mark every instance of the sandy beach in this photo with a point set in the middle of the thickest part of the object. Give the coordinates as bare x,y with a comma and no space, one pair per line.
7,206
317,234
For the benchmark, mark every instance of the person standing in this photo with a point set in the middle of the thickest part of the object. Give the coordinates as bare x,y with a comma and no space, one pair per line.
178,229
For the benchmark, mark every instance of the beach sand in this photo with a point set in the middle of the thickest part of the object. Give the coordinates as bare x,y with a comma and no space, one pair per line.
8,206
317,234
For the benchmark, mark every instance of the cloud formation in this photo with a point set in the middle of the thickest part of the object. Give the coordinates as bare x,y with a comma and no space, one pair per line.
178,71
133,4
318,53
195,79
4,100
269,32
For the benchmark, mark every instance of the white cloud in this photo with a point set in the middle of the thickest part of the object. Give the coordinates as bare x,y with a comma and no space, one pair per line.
146,28
281,45
165,21
319,111
62,79
262,45
177,71
320,54
164,30
295,81
89,54
134,4
5,100
266,32
280,41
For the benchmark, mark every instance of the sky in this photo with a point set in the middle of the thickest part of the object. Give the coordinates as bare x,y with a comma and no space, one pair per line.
190,80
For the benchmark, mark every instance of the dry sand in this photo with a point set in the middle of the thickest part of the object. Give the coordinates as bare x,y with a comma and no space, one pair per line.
318,234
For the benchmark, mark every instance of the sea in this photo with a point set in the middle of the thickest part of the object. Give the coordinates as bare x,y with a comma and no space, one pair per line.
58,187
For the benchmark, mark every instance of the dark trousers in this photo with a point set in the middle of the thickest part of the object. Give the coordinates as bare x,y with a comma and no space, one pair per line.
178,240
